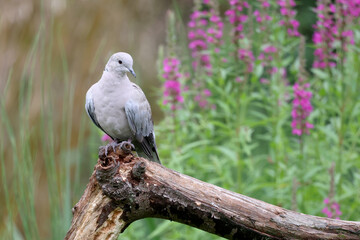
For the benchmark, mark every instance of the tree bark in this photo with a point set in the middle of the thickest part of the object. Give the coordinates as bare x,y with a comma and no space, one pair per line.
124,188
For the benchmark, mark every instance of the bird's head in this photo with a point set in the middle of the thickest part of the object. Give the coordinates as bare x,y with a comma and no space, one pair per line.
120,63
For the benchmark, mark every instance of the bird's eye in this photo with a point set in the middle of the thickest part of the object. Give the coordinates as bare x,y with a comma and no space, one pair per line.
120,62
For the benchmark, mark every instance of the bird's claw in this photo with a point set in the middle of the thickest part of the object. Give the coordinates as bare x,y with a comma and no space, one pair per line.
127,146
113,145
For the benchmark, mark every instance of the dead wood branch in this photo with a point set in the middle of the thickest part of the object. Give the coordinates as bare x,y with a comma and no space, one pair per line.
124,188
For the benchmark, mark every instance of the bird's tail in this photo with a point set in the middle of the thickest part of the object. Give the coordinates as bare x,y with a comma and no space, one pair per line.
156,157
148,153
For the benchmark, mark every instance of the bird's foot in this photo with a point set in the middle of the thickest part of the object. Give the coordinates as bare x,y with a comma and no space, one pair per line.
113,145
127,146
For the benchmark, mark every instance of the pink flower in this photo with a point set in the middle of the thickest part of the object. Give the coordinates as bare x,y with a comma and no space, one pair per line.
350,35
273,70
264,81
270,49
266,4
327,212
283,11
215,30
202,98
180,98
215,18
239,79
266,58
203,103
198,37
105,138
332,8
334,25
172,86
301,109
295,24
248,58
317,38
282,3
233,2
206,31
331,209
286,10
207,92
236,17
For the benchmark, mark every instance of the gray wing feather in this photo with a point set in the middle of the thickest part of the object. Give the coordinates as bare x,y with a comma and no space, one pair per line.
141,125
90,110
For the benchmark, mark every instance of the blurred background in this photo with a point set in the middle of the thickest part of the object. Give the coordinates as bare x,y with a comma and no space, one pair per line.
53,51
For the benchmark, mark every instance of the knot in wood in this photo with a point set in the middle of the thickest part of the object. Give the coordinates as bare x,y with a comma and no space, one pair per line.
73,210
106,169
119,190
138,170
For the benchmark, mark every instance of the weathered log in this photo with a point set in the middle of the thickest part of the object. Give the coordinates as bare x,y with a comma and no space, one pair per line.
124,188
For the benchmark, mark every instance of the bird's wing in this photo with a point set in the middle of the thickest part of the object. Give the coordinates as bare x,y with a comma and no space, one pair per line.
138,114
90,110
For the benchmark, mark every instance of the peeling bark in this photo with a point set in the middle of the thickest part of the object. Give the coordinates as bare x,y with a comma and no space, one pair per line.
124,188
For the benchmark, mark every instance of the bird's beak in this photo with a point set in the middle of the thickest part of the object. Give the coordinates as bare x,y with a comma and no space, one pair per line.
132,72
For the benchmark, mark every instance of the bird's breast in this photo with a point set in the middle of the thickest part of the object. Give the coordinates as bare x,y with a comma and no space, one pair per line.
110,111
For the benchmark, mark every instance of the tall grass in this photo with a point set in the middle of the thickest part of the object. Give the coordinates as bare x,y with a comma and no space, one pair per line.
19,154
37,150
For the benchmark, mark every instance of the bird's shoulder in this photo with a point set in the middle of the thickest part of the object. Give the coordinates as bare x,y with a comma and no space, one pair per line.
136,88
137,93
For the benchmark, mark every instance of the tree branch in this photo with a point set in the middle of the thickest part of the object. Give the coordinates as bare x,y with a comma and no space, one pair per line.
124,188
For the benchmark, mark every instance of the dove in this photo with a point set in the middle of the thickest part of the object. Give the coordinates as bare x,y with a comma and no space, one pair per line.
120,109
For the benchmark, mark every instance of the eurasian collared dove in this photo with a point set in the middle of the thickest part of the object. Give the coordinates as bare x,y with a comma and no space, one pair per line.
120,109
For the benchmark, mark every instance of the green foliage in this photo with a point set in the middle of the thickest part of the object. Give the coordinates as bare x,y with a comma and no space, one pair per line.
245,143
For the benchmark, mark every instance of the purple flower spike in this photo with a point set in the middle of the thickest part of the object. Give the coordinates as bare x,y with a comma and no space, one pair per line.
172,86
301,109
329,30
287,10
237,17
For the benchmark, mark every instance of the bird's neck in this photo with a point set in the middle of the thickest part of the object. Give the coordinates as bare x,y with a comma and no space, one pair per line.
111,78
